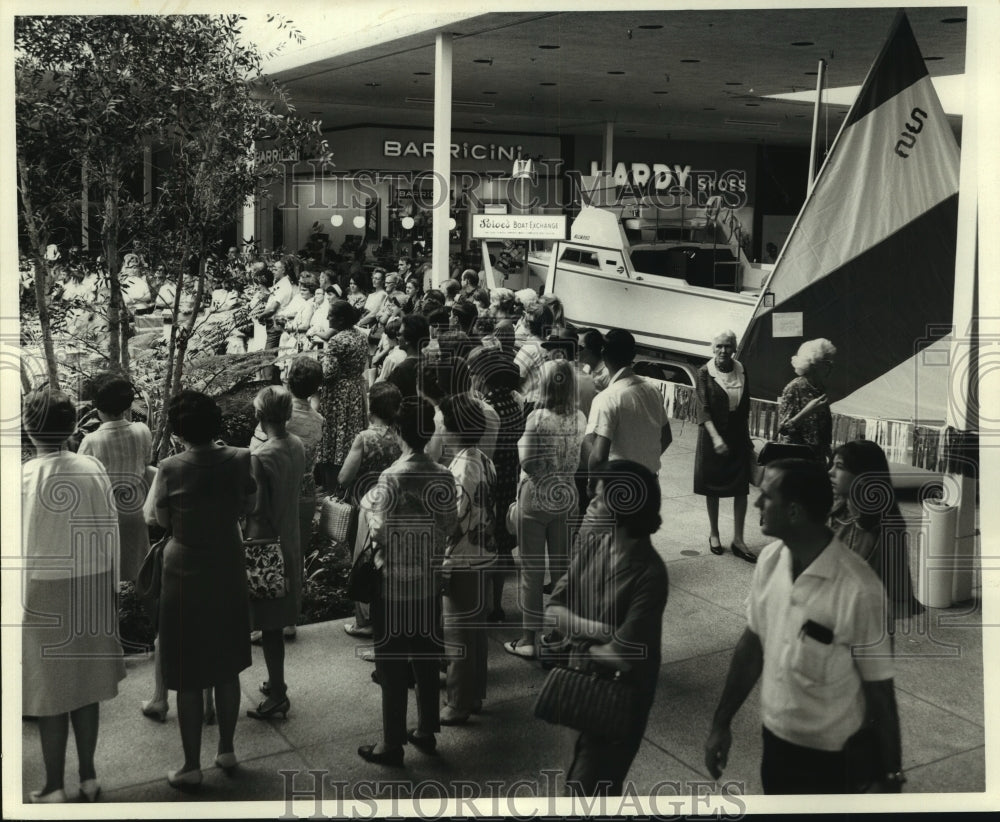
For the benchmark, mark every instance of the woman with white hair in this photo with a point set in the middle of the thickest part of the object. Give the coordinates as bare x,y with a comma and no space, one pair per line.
803,408
722,455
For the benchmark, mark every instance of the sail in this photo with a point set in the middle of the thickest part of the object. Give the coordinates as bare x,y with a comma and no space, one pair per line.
870,261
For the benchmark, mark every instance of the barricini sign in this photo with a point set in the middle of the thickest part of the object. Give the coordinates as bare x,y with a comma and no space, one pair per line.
519,226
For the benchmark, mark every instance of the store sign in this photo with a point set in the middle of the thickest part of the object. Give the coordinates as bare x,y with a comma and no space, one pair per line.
518,227
732,182
276,155
467,151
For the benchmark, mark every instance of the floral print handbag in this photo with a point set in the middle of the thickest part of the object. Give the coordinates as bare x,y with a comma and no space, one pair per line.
265,568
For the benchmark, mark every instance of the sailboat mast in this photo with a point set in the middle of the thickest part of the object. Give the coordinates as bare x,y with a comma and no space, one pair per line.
820,75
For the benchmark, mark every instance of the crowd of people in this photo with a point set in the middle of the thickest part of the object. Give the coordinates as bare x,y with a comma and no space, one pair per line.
463,426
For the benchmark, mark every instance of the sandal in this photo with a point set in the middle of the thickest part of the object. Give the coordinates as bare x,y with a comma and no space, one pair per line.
516,648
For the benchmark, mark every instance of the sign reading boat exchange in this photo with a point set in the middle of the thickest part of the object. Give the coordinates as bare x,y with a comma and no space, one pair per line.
519,226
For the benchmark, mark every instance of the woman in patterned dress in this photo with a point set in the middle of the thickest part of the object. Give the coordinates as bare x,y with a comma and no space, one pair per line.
343,402
803,408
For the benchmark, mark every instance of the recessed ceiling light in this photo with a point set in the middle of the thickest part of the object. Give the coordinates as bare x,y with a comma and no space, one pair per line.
733,83
661,92
690,60
546,84
708,108
596,100
486,60
751,104
373,85
549,47
489,92
803,43
423,73
928,59
809,73
949,20
651,26
616,72
630,131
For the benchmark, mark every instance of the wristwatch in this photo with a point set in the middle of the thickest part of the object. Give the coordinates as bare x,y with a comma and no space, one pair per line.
896,777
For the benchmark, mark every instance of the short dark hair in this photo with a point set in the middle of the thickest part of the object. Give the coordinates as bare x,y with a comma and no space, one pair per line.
807,483
49,416
439,318
464,417
443,376
493,368
305,375
384,400
342,314
471,277
414,330
467,314
593,341
416,422
392,326
433,295
539,319
113,392
309,281
619,347
481,297
195,417
632,495
451,288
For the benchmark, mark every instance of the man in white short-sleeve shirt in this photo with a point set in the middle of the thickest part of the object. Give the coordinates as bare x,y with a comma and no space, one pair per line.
627,419
816,638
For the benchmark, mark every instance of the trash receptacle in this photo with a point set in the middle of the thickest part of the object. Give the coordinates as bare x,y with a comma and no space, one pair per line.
936,560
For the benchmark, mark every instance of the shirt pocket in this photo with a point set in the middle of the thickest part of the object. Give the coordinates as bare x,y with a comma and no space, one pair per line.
811,661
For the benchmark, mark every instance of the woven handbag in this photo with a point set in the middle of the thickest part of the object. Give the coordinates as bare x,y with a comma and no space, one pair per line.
265,568
589,701
335,518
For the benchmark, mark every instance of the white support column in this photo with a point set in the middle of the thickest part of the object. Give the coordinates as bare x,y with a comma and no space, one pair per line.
963,406
608,164
442,158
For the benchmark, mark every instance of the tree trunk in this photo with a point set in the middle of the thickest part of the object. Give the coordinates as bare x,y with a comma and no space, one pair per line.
109,240
42,275
160,441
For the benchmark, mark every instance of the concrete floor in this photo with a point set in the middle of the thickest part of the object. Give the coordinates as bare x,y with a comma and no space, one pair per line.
335,706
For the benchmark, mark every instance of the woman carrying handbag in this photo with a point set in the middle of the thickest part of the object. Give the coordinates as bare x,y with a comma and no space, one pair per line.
609,605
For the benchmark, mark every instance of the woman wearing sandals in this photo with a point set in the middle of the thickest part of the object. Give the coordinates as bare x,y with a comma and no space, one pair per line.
68,669
551,453
278,465
724,451
199,496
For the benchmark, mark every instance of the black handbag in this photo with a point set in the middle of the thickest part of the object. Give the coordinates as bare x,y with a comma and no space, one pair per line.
149,580
784,450
363,578
595,701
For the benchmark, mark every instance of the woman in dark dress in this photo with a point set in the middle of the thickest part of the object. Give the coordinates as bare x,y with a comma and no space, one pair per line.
200,495
724,451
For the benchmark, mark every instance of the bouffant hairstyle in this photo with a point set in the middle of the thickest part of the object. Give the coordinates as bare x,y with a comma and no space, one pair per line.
416,422
632,496
414,331
464,418
309,281
113,393
305,375
342,315
384,400
806,483
540,319
503,299
872,488
49,416
195,417
557,386
273,404
811,353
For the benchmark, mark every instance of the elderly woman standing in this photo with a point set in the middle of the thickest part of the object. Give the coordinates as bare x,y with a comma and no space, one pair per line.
279,464
67,668
723,454
803,408
343,400
200,495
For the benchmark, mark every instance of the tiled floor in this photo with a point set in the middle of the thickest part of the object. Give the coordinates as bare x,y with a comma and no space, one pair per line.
335,706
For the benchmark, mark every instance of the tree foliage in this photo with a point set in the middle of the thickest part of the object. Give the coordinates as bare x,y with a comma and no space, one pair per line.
96,95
